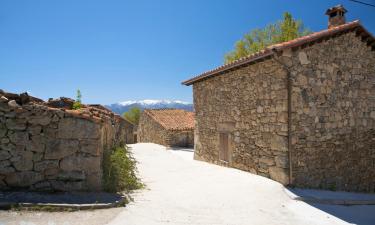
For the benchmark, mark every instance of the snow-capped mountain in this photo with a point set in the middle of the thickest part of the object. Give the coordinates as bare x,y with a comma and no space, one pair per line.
122,107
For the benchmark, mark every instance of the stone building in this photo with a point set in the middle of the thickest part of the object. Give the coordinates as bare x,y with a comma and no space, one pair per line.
169,127
300,112
46,146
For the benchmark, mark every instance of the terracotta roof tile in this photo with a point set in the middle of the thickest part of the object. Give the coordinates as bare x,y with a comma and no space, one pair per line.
172,119
269,51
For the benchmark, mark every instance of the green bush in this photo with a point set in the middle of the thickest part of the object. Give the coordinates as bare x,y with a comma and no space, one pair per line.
119,171
77,105
78,102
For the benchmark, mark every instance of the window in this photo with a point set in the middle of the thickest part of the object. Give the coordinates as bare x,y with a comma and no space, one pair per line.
224,147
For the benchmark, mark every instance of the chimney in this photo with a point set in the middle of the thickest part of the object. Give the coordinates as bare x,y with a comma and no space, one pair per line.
336,16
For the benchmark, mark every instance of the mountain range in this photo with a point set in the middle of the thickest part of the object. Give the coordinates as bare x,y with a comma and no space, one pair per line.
122,107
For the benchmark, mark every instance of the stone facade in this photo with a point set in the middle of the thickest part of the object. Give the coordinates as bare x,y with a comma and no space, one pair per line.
54,149
151,130
333,114
332,135
249,105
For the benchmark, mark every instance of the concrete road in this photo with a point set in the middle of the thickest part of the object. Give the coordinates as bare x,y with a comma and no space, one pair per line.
183,191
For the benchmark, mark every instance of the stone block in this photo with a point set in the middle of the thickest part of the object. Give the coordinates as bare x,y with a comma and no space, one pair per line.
4,163
4,155
303,58
13,104
269,161
16,124
279,175
34,129
68,185
24,162
282,161
42,186
78,128
58,149
7,169
46,164
23,179
4,107
71,175
40,120
279,143
81,162
36,144
3,130
19,138
91,147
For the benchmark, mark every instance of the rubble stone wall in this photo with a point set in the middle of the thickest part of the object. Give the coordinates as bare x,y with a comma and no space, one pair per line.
54,149
149,131
333,114
184,138
249,105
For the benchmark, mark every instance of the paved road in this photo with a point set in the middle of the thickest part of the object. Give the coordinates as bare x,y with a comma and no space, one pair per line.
184,191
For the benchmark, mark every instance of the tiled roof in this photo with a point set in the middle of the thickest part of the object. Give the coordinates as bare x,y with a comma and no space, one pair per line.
270,50
172,119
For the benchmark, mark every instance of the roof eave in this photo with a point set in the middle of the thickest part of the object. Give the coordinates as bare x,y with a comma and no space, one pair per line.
271,51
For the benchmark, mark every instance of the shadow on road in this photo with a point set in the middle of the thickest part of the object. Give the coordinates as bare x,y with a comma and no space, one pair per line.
353,214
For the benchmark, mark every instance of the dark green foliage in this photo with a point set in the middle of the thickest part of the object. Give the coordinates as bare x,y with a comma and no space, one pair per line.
119,171
258,39
133,115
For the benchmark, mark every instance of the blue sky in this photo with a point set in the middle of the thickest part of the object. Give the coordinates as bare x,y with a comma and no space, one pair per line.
132,50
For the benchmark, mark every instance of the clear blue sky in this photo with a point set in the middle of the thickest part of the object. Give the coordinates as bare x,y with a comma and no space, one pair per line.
131,50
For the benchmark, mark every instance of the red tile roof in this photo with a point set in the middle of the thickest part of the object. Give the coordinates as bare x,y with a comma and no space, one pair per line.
172,119
270,50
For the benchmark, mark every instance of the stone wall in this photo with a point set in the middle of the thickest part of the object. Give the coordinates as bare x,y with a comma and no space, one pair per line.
180,138
54,149
249,105
151,131
333,114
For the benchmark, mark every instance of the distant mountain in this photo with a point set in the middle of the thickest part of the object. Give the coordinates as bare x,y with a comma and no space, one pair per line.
122,107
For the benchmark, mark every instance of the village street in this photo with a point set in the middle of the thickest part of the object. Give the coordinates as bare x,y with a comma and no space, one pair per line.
181,190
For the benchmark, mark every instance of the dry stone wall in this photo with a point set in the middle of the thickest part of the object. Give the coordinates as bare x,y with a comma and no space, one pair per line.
180,138
149,131
333,114
54,149
250,106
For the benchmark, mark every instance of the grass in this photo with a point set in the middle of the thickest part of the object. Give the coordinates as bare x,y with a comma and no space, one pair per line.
119,171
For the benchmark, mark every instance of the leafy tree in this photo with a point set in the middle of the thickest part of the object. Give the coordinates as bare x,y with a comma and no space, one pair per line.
133,115
78,103
79,96
258,39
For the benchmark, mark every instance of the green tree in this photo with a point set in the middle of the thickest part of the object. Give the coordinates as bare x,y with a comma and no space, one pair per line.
133,115
258,39
78,102
79,96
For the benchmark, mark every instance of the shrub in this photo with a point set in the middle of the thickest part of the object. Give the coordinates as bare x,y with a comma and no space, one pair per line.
76,105
119,171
